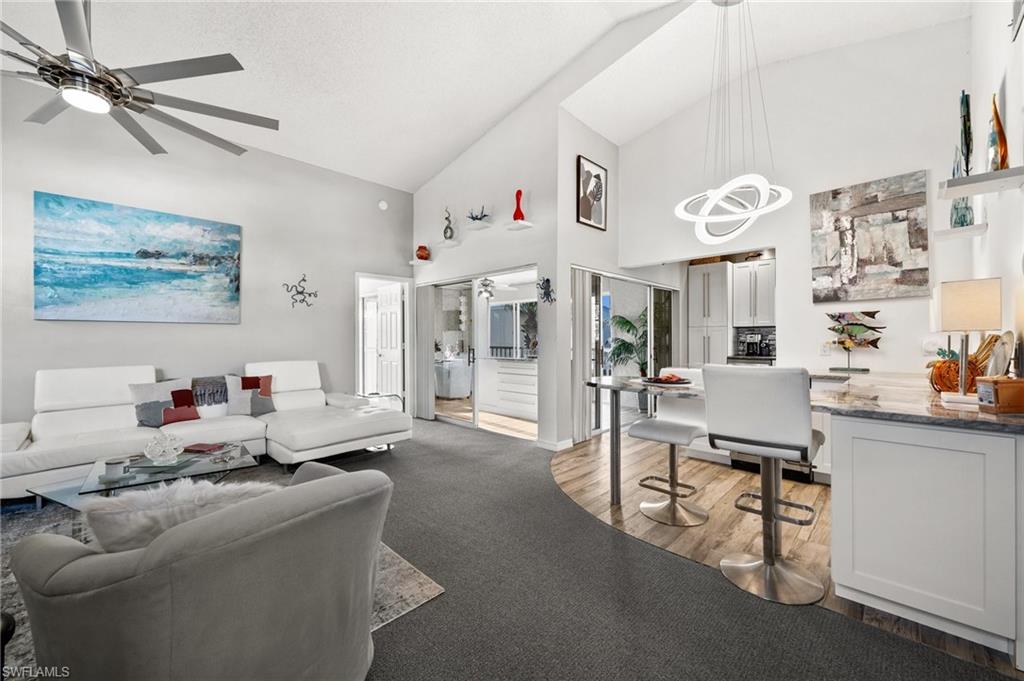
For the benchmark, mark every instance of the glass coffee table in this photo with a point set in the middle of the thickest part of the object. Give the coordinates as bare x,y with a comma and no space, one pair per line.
75,491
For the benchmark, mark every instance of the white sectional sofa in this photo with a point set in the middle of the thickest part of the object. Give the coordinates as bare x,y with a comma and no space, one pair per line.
83,415
310,424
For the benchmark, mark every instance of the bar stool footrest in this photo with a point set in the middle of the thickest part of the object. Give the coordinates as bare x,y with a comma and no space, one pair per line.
757,510
681,490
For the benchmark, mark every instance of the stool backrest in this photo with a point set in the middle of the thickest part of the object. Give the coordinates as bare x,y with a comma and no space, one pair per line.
764,411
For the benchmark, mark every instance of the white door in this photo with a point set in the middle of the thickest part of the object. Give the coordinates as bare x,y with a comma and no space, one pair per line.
370,359
390,338
764,293
742,292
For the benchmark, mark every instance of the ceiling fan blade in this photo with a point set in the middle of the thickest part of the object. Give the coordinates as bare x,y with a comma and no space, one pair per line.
183,68
205,109
136,130
48,111
24,75
75,24
22,59
187,128
26,43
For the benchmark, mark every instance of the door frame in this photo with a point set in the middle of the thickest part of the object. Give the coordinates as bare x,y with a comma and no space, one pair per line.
408,347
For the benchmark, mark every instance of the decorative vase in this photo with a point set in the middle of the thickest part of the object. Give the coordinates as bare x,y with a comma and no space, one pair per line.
449,232
164,449
518,215
422,252
998,152
966,135
961,213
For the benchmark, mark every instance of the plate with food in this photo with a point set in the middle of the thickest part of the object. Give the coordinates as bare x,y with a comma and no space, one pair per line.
667,379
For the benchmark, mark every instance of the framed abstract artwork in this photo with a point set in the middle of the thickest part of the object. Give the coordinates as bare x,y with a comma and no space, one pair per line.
591,194
106,262
870,241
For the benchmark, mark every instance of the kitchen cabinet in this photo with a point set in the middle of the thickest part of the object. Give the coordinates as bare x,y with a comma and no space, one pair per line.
709,295
754,293
707,345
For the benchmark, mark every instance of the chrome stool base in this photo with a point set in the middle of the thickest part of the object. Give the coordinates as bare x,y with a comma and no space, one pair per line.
783,582
674,512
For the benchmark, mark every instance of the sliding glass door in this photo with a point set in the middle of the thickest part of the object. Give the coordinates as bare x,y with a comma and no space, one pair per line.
631,334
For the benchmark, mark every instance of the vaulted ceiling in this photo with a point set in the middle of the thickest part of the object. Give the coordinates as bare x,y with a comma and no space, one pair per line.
671,69
386,91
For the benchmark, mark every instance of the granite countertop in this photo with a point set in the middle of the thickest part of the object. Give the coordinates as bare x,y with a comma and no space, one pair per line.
906,398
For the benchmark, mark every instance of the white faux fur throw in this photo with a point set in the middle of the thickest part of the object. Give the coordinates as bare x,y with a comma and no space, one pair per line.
134,519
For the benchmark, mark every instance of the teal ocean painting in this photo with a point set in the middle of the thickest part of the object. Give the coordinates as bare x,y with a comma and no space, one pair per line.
105,262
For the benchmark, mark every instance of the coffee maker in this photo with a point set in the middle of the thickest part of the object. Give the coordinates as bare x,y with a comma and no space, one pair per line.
753,345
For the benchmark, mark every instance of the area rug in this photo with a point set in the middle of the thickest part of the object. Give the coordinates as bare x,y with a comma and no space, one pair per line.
400,589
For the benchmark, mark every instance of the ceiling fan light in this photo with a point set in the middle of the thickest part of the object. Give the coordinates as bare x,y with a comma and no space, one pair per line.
82,96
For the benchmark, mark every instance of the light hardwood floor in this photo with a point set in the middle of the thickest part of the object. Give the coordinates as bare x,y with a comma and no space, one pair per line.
462,409
583,474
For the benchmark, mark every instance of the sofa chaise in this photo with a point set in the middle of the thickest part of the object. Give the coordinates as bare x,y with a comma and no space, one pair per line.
83,415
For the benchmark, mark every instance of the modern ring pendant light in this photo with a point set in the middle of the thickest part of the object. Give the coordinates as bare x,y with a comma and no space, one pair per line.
722,214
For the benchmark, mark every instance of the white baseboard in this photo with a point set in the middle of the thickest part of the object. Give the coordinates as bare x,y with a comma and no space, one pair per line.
554,446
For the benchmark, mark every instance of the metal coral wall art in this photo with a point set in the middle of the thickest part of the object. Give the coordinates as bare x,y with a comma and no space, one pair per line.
299,292
870,240
547,294
477,217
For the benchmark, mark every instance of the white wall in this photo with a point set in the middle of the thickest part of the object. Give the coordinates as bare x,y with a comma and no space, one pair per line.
997,66
295,219
522,152
838,117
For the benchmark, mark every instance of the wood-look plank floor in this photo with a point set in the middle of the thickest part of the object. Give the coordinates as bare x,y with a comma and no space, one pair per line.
583,474
508,425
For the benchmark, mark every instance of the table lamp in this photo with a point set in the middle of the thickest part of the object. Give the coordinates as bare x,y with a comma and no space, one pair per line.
966,306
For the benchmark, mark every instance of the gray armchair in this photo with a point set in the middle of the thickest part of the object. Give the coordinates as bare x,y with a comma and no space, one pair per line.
278,587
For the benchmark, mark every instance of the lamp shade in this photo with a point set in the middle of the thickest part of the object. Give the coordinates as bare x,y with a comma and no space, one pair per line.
971,305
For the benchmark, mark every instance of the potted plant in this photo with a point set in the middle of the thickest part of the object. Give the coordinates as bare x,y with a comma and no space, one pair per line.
631,346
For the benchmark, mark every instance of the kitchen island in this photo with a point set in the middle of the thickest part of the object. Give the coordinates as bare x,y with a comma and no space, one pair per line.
927,511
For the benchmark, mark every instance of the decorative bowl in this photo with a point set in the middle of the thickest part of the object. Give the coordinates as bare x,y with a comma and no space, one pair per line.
164,449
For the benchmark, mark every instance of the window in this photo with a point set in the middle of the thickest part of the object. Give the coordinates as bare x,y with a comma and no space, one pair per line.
513,329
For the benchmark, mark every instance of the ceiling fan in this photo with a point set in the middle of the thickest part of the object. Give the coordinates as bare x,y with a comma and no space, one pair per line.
84,83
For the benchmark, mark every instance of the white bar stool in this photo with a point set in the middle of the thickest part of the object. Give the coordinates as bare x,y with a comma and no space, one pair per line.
766,412
678,423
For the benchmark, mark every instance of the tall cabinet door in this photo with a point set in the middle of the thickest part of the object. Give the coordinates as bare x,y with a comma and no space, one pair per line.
764,293
742,294
717,294
696,287
697,347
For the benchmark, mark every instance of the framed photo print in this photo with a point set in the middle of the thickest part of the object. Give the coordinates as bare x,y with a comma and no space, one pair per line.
591,194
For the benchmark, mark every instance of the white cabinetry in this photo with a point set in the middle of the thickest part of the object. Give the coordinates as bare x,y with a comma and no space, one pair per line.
754,293
923,525
709,292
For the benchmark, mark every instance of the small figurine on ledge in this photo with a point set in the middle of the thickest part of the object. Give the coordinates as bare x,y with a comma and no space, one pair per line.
855,330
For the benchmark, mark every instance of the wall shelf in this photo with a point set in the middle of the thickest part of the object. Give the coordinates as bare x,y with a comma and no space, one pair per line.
479,225
985,183
960,232
519,225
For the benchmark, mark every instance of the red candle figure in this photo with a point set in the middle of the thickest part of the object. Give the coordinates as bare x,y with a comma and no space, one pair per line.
518,215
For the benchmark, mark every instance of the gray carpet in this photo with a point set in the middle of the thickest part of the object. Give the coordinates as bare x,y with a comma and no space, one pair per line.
536,588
